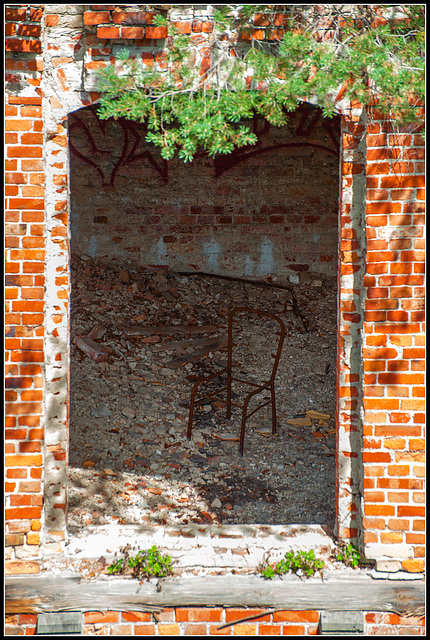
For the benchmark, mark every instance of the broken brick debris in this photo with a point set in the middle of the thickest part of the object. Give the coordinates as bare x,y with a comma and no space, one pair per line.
131,410
91,348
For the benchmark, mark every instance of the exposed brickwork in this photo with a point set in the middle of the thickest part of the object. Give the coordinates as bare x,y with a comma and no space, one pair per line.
380,413
23,29
255,218
24,285
205,621
350,278
393,349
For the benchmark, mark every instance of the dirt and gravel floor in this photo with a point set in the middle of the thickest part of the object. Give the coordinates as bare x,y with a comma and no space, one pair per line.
130,460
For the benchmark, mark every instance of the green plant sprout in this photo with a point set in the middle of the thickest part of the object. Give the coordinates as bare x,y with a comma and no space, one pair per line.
150,563
349,555
116,567
144,564
304,561
375,55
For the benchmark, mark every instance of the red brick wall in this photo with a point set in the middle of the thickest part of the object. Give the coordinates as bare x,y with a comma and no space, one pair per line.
381,341
393,348
381,322
24,285
206,620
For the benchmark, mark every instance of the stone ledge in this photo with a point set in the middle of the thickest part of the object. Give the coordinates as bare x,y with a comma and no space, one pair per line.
396,575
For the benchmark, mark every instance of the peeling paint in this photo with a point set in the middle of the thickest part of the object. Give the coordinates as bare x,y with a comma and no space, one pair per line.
267,263
212,252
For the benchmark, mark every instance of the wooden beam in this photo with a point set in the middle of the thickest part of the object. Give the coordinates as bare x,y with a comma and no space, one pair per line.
131,330
215,345
258,283
35,594
184,344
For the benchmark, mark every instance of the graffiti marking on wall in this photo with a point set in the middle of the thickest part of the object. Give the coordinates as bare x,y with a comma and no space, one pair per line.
121,140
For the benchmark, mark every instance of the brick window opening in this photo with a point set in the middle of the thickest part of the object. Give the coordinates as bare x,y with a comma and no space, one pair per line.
142,230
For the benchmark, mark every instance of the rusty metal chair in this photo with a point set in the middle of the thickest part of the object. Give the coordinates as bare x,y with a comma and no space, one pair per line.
267,385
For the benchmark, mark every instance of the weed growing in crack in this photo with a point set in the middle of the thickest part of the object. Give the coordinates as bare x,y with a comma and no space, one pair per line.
116,567
145,564
349,555
302,562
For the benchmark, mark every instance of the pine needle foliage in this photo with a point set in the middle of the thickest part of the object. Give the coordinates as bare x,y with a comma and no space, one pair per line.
265,60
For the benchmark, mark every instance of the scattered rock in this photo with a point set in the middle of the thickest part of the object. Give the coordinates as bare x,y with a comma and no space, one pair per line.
91,348
154,490
304,277
97,332
101,411
300,422
289,477
317,415
128,412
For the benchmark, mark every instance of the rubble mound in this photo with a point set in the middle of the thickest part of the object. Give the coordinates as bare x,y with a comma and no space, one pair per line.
140,338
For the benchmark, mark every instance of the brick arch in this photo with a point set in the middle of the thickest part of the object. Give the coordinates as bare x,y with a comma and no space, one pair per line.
223,164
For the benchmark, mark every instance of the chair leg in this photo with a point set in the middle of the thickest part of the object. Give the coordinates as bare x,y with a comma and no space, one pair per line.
272,393
190,420
191,414
242,426
228,395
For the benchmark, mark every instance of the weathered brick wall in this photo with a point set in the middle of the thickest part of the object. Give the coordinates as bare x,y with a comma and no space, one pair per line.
273,210
393,348
24,281
381,342
380,270
352,247
205,621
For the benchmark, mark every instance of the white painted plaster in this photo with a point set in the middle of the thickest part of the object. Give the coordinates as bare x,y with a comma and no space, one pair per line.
158,253
379,550
212,251
267,262
239,547
92,246
249,266
348,441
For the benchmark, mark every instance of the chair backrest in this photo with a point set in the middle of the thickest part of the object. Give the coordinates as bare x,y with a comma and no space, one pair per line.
279,343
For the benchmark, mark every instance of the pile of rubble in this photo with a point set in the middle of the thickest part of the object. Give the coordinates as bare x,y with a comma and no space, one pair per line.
140,338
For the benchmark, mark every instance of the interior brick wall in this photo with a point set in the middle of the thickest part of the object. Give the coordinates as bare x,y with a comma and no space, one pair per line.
381,392
270,211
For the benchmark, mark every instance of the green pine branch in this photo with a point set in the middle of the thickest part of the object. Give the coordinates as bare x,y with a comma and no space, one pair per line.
187,112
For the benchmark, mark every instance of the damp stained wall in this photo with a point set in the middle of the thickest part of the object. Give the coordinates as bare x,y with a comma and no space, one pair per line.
267,210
